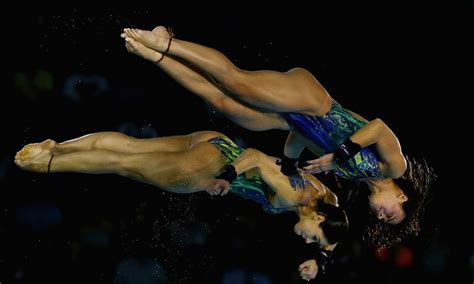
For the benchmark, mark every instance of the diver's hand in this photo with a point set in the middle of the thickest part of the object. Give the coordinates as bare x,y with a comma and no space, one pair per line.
218,187
322,164
308,269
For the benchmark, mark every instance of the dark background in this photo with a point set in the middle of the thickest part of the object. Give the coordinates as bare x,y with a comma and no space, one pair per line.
400,63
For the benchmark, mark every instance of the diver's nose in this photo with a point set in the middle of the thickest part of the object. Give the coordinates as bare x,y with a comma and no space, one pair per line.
380,215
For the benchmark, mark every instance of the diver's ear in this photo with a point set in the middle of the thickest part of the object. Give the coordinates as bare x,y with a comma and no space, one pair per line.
320,218
402,197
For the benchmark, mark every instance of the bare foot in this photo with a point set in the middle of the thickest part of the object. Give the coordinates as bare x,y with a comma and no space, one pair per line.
139,49
35,157
157,39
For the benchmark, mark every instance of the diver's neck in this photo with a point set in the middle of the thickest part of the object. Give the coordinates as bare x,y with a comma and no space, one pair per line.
377,185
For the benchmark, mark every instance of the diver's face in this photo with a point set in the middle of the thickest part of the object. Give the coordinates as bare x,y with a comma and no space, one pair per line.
310,230
387,206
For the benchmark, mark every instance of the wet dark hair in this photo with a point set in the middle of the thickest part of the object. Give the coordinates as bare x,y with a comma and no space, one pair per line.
335,225
415,184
